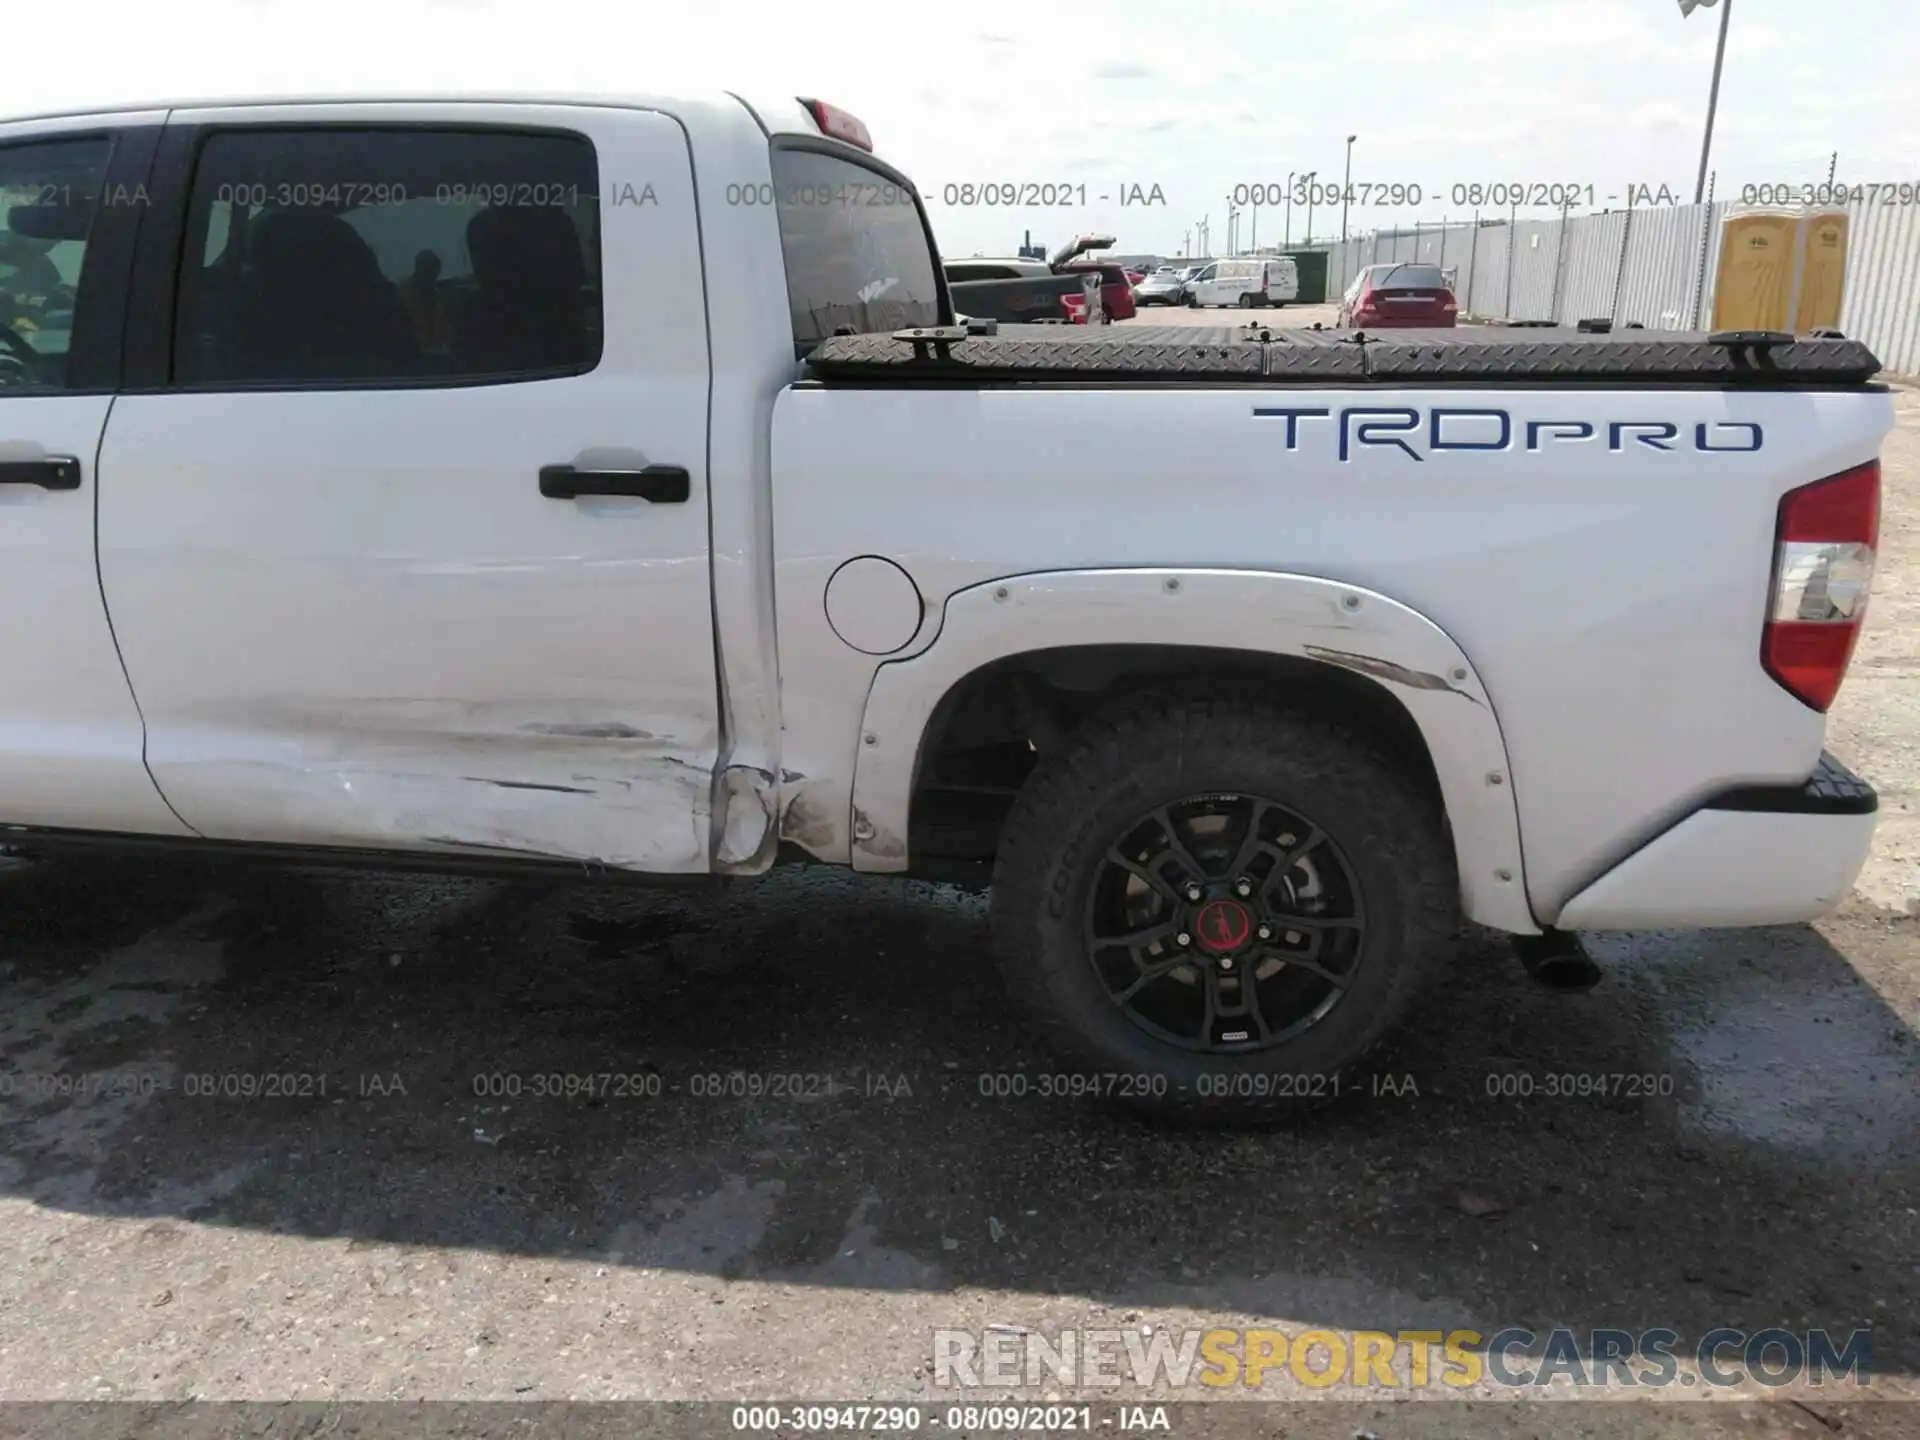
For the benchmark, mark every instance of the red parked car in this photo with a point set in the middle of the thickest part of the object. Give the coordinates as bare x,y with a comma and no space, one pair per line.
1402,295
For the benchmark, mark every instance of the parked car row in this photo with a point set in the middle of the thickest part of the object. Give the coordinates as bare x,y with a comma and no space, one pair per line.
1400,295
1255,282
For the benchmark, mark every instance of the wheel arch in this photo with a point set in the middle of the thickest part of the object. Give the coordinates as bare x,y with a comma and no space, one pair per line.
1399,673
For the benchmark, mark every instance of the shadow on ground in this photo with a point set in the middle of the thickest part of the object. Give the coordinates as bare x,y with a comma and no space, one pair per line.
1758,1168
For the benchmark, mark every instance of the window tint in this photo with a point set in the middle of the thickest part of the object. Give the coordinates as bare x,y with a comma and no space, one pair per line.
1408,277
405,255
48,195
856,250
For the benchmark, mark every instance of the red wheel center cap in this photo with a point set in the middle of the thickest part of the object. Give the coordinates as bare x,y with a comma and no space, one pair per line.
1223,926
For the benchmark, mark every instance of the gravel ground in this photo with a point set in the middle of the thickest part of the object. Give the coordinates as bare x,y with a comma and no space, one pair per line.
383,1232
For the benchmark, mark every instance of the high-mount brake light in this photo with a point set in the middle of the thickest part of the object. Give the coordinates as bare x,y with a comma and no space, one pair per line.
836,122
1822,572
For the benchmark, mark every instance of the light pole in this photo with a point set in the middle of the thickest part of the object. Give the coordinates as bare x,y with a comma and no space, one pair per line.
1346,186
1312,179
1233,223
1287,244
1687,7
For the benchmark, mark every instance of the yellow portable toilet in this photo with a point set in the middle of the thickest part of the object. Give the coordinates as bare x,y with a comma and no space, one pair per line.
1823,271
1754,287
1781,268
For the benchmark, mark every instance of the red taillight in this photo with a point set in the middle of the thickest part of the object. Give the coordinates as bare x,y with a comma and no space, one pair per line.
839,124
1822,572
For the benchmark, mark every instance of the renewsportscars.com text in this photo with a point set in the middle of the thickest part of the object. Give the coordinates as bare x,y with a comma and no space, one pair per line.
1011,1358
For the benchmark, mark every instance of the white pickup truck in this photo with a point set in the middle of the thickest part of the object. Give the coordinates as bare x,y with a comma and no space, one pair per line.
547,482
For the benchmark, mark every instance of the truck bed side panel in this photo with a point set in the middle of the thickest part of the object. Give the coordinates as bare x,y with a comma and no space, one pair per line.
1602,556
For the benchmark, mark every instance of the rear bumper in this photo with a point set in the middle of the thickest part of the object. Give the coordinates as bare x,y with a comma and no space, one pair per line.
1761,855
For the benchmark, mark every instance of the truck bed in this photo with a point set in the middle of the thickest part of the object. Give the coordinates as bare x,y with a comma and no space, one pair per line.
1256,353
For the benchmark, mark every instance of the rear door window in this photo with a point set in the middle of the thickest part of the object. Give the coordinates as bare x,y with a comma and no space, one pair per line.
401,256
49,192
857,252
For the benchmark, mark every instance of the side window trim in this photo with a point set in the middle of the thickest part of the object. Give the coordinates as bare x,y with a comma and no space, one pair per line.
153,295
101,301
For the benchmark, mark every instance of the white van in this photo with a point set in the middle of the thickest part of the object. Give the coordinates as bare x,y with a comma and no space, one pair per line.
1249,283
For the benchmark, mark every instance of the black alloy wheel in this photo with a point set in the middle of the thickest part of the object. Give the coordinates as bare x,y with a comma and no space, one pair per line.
1225,923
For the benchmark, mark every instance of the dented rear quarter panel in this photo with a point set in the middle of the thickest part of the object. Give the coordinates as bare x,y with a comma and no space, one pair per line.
1610,599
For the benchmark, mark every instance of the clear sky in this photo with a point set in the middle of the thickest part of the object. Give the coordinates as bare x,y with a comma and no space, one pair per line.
1193,96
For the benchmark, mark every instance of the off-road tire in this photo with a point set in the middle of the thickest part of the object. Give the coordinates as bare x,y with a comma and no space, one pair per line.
1159,749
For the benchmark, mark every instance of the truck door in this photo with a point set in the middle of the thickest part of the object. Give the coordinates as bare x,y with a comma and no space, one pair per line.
404,525
69,731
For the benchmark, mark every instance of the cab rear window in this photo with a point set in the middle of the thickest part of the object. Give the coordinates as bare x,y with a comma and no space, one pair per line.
857,254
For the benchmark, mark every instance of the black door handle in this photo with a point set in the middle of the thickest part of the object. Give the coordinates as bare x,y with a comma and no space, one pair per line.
56,472
662,484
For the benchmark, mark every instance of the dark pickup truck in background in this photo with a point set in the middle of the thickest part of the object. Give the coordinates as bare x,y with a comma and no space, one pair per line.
1014,297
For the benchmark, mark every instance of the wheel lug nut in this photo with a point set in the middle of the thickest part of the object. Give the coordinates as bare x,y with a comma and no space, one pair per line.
1265,932
1193,892
1183,938
1226,962
1285,840
1243,889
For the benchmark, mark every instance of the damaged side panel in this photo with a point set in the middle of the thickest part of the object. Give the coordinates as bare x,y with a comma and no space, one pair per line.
748,798
811,819
631,794
1388,670
355,616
